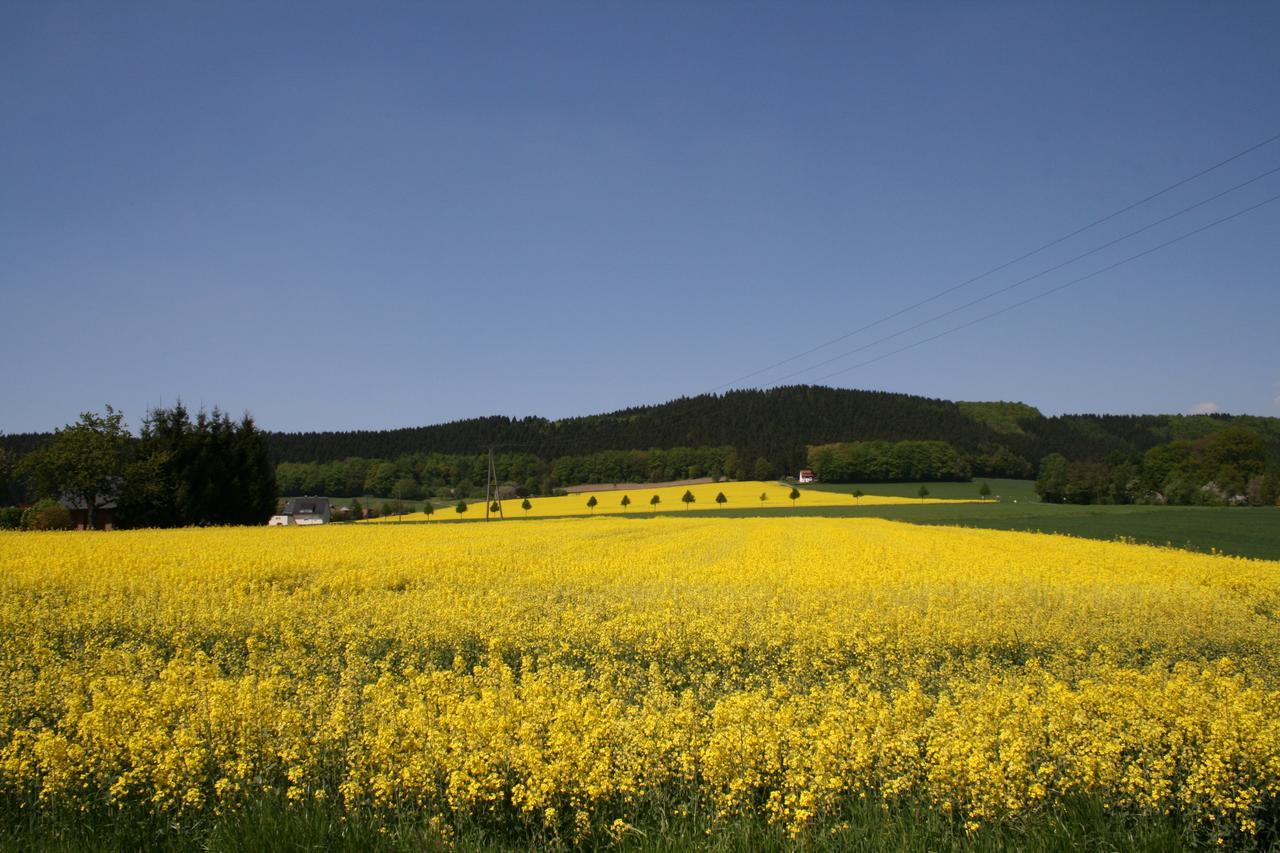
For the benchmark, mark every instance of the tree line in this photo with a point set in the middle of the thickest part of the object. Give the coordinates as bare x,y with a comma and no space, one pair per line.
179,470
413,476
747,434
888,462
1232,466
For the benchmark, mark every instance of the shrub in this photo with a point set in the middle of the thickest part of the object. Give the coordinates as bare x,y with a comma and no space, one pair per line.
47,514
10,517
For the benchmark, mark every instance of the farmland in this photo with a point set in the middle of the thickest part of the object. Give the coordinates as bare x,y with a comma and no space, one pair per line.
739,496
1243,532
600,682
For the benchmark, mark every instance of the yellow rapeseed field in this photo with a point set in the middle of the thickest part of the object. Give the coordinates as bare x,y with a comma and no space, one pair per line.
738,495
574,677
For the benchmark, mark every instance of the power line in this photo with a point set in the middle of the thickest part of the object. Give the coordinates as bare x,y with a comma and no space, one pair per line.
1054,290
1029,278
1007,264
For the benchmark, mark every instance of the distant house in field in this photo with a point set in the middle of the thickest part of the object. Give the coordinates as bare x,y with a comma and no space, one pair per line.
806,476
308,510
103,516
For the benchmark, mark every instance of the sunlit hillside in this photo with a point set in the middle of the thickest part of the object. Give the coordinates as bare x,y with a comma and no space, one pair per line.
737,495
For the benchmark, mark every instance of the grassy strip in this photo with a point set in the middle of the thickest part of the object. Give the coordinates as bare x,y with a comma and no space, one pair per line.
269,826
1007,490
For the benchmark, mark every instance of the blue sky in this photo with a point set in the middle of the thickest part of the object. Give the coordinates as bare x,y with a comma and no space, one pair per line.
377,215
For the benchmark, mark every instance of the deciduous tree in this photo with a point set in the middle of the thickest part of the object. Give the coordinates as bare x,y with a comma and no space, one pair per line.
83,462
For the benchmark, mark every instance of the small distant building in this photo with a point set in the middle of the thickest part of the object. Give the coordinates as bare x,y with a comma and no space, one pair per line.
308,510
806,475
103,516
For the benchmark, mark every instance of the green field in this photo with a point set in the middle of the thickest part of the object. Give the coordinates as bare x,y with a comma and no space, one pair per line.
1006,490
1240,531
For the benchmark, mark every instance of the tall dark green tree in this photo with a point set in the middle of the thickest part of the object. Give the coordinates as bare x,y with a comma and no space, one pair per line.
591,504
626,502
721,499
206,470
688,498
795,495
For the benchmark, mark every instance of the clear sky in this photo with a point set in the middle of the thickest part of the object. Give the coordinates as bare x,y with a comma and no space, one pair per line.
370,215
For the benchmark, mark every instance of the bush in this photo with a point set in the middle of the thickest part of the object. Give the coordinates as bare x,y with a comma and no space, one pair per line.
47,514
10,517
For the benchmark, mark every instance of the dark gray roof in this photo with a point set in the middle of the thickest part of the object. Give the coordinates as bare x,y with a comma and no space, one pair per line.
78,503
307,506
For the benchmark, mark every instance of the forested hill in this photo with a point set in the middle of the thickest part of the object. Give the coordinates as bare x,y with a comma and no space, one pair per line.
778,425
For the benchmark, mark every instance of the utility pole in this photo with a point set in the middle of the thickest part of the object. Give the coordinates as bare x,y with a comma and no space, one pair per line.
491,489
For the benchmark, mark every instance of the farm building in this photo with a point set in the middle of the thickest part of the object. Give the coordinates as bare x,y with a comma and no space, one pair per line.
806,476
308,510
103,516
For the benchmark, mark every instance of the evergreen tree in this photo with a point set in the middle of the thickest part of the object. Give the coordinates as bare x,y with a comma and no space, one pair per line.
654,501
209,470
591,504
626,502
795,495
984,491
721,499
923,493
688,498
526,506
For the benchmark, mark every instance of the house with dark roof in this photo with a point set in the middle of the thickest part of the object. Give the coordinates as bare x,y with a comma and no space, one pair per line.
307,510
103,514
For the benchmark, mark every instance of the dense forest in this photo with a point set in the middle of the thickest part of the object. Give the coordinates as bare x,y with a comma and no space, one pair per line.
779,425
739,434
888,462
1229,466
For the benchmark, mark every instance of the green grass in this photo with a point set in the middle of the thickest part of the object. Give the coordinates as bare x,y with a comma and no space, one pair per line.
1240,531
1007,490
266,826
